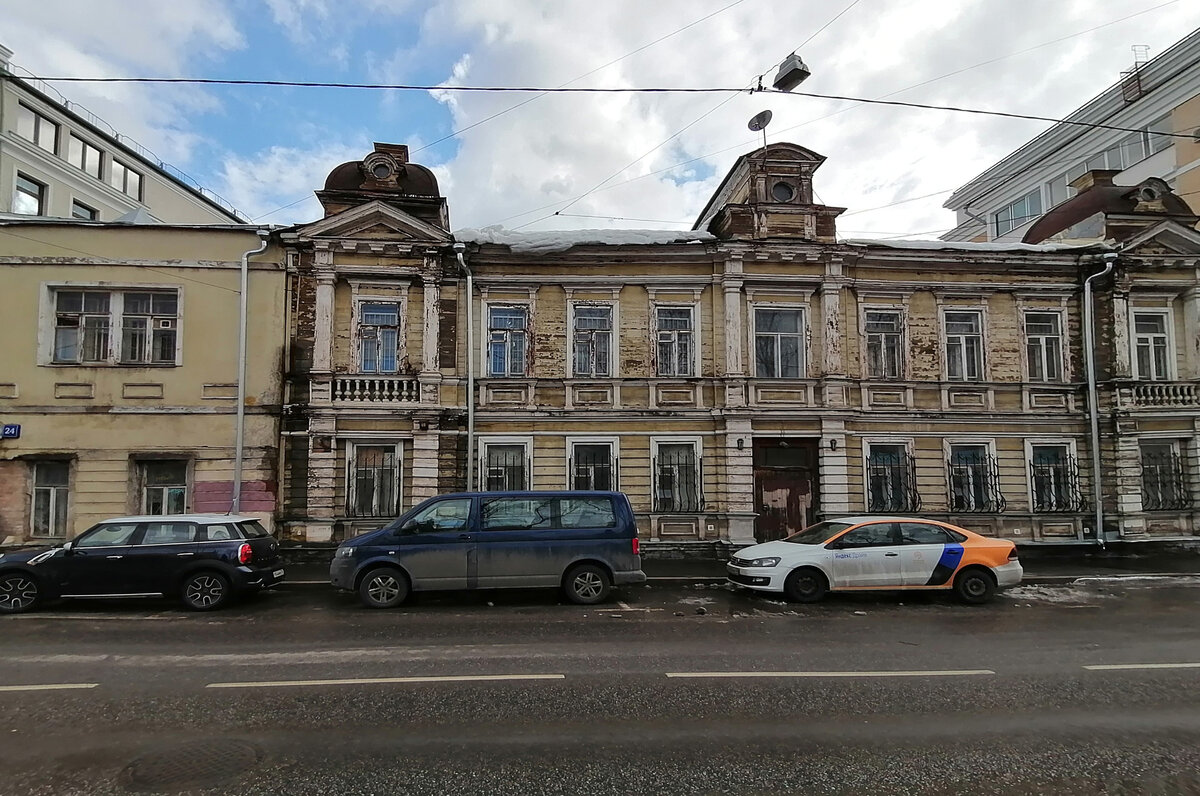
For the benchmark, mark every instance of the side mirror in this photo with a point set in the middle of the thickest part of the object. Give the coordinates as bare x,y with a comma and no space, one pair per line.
68,547
408,528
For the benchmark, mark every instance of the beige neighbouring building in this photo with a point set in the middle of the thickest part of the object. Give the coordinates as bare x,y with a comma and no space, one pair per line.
741,379
119,366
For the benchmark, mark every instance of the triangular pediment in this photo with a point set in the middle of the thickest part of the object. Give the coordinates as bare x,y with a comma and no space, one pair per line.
1168,238
376,220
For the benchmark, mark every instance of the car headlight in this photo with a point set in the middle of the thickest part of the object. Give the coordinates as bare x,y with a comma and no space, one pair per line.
345,552
764,562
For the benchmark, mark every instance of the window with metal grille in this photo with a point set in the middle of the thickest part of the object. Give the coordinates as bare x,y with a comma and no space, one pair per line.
884,330
593,467
1054,478
505,467
974,479
379,337
675,336
149,325
507,334
1043,346
33,126
29,197
1164,485
677,478
964,346
375,481
1151,346
779,343
164,486
51,496
891,479
593,340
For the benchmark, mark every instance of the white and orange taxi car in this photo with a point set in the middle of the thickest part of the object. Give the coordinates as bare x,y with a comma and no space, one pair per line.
863,553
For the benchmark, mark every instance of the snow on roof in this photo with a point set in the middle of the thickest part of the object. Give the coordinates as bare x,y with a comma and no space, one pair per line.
561,240
969,246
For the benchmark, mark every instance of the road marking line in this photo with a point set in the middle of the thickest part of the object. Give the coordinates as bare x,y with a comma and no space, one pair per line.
466,678
48,687
937,673
624,605
1110,667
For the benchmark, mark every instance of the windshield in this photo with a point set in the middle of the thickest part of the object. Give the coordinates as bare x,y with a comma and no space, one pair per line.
819,533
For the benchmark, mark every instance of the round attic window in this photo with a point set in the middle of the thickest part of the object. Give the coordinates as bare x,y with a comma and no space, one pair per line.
382,170
782,192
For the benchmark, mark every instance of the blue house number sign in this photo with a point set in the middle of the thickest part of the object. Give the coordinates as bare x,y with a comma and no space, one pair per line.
11,431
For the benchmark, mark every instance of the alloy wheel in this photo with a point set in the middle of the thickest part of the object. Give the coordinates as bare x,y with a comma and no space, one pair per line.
383,588
588,585
205,591
17,593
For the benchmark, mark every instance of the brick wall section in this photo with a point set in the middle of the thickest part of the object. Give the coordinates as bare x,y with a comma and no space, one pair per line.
14,500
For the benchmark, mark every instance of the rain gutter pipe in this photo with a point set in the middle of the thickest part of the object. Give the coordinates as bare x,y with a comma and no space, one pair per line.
239,444
459,248
1089,355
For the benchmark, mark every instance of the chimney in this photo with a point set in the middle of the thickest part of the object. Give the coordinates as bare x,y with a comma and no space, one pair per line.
1096,178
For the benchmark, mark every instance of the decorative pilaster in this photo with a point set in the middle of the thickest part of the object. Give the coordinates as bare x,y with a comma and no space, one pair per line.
735,326
322,479
323,313
739,475
834,469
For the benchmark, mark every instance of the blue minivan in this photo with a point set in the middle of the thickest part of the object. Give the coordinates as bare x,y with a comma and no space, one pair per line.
581,542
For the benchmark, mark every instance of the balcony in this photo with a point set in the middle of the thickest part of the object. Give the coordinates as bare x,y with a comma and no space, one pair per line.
1165,393
376,389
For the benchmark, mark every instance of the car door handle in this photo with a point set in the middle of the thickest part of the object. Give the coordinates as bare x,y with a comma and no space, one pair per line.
890,555
464,536
113,558
181,555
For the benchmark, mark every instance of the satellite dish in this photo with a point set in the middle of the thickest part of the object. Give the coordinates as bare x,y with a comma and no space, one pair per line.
760,121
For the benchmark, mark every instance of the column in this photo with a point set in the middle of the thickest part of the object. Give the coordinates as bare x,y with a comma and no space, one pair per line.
834,470
735,332
832,369
430,376
425,448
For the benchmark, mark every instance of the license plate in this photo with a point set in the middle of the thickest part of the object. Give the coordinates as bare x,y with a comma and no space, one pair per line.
277,573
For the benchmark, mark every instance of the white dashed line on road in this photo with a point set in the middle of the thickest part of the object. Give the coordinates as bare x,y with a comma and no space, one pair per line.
1114,667
929,673
48,687
468,678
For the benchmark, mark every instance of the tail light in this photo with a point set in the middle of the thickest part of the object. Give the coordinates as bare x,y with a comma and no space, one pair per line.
637,547
1012,554
245,554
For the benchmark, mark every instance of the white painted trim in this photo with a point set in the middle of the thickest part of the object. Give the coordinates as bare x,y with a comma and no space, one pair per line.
1030,442
948,445
944,340
879,304
1064,364
672,439
614,443
48,321
358,297
485,342
1167,312
351,481
484,441
694,307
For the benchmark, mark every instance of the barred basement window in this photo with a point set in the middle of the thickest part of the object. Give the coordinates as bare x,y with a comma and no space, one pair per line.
974,479
374,487
593,467
891,479
1054,477
505,467
1164,486
677,478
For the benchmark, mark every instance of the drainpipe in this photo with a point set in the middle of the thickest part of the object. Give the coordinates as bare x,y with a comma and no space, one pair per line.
1089,356
235,504
459,248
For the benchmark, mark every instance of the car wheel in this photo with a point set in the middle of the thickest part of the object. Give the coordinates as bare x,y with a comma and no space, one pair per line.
974,586
805,585
18,592
384,587
205,591
587,584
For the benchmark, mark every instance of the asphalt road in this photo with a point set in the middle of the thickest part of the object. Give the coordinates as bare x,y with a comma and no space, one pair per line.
668,689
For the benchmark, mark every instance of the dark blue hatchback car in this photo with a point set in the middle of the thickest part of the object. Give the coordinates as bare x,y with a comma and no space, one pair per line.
204,559
581,542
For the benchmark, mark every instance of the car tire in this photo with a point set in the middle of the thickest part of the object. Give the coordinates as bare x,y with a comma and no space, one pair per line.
383,587
587,584
805,585
19,592
205,590
975,586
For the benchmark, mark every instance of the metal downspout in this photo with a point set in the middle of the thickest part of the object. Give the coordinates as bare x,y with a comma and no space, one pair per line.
459,248
1089,357
235,504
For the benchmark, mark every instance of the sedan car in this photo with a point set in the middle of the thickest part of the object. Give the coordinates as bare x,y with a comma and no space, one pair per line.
864,553
203,559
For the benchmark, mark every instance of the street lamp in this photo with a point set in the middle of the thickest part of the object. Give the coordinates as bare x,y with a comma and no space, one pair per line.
792,72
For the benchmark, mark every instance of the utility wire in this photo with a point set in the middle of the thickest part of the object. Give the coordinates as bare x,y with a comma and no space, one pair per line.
827,24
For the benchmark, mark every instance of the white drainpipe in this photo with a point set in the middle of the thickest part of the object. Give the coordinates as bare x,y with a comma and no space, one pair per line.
1089,357
459,248
235,504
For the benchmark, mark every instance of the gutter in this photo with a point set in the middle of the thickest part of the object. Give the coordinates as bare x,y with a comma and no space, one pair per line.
235,503
459,248
1089,356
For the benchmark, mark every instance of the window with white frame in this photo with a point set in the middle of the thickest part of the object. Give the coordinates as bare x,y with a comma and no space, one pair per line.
33,126
84,320
51,495
374,480
779,343
1155,140
508,331
125,180
974,478
83,156
1164,483
1019,212
593,466
1043,346
379,337
1054,478
964,345
677,477
505,466
1059,188
1151,341
164,486
885,343
891,478
29,197
675,334
592,338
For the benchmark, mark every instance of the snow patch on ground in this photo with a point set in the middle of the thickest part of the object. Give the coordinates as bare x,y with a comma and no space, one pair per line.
698,600
1063,595
561,240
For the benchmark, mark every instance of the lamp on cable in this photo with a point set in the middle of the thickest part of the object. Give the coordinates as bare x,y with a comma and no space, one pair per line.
792,72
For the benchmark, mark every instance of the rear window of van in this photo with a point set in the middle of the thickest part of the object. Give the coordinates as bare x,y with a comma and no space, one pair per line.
526,513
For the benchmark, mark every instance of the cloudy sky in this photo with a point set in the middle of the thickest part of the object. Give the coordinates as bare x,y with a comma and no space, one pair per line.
637,160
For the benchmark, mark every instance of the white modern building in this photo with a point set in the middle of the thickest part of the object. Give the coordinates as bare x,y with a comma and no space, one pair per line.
57,159
1161,95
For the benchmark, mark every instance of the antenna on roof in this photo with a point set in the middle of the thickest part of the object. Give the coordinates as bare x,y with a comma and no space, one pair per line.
760,122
